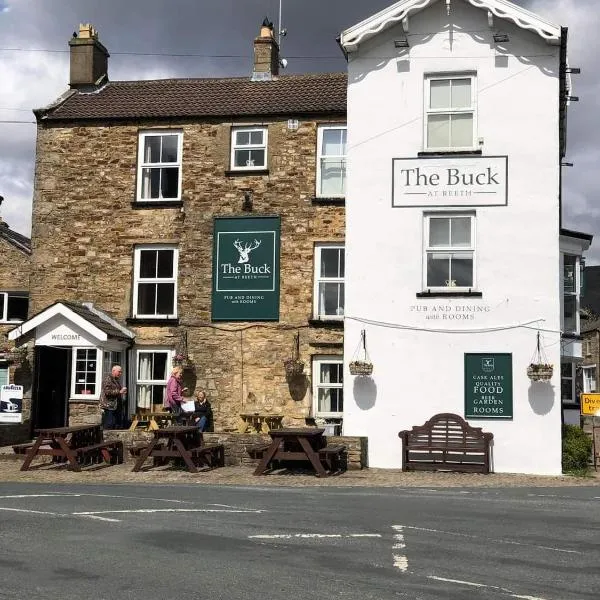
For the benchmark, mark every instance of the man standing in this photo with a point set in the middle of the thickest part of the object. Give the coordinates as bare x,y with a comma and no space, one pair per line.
111,399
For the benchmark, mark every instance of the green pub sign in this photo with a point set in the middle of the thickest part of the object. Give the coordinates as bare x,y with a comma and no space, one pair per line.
246,269
488,386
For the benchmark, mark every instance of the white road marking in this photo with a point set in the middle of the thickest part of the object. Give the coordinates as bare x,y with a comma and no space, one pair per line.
100,518
499,541
508,592
35,512
400,560
41,496
166,510
289,536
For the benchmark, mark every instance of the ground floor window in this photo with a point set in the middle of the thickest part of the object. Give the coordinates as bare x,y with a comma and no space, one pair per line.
85,382
328,386
111,359
589,378
152,372
567,383
3,374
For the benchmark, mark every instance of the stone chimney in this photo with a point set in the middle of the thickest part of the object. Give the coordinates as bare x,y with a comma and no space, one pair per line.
89,59
266,54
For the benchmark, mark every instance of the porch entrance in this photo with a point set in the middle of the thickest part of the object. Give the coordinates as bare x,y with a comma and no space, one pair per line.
51,387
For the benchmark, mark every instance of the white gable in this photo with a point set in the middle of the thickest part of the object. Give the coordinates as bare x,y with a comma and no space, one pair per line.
400,12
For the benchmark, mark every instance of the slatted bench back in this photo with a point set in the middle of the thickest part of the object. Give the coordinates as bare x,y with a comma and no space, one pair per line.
446,441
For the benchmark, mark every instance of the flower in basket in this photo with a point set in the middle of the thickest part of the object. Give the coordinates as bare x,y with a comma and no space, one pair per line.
540,371
361,367
293,367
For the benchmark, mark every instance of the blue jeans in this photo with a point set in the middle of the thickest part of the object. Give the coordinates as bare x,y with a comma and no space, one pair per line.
202,423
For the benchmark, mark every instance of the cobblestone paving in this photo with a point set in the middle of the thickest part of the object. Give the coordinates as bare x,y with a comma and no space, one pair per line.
45,473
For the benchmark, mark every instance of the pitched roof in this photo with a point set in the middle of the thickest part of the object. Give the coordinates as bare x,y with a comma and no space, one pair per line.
214,97
503,9
98,319
20,242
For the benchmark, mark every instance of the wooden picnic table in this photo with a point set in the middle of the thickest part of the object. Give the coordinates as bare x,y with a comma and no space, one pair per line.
295,444
258,422
76,445
183,442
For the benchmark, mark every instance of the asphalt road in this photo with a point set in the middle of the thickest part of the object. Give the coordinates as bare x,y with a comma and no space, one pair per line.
229,543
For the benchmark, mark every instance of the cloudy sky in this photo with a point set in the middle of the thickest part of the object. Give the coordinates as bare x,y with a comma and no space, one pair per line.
220,34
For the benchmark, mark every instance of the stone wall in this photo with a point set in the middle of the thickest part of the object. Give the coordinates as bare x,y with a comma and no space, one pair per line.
86,225
14,276
237,445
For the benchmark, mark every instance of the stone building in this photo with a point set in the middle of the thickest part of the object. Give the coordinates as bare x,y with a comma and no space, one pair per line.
195,221
15,250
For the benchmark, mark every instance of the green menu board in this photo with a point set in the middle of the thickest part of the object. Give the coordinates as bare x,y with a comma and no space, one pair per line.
488,386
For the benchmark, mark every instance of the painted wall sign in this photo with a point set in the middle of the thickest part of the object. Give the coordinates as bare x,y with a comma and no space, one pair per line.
450,312
11,404
488,386
246,269
590,405
450,181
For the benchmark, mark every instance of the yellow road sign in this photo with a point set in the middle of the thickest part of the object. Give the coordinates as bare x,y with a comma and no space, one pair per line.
590,404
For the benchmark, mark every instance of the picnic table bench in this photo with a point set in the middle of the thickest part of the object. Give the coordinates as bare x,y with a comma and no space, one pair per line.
78,445
300,444
179,442
446,442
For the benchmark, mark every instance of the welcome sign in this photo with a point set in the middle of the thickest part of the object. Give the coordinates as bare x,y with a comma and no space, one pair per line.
246,269
450,181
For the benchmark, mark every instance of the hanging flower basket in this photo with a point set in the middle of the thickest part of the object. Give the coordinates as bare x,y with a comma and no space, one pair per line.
183,361
294,367
361,367
540,372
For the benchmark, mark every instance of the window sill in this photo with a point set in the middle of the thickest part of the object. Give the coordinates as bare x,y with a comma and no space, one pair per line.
332,201
157,204
327,323
150,321
245,172
83,400
450,153
441,294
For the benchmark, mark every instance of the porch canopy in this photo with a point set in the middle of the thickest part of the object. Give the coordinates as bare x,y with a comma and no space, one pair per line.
67,323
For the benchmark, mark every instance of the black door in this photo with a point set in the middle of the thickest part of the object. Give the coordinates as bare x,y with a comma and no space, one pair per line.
51,392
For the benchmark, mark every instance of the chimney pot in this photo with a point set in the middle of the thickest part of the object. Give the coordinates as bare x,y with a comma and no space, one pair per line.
89,59
266,53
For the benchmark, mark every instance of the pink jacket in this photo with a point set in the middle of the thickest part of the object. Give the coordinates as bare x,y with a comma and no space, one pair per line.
174,396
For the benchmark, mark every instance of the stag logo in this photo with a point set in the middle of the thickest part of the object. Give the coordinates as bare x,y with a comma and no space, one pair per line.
245,250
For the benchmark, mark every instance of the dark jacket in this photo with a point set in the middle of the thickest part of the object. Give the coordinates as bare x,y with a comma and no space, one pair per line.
203,410
110,394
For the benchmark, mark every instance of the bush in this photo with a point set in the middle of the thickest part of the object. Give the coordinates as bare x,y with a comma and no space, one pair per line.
576,450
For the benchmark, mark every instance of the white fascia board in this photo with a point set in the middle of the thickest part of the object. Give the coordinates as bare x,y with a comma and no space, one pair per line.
572,245
57,309
353,36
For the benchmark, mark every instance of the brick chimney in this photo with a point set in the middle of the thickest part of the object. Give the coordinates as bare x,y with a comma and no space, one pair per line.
89,59
266,54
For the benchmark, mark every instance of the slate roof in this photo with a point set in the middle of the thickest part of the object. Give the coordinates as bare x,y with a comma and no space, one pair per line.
94,319
214,97
19,241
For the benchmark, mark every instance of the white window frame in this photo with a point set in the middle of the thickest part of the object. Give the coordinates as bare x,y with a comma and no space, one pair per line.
320,156
317,280
571,294
152,350
142,165
99,363
317,361
589,382
471,249
137,280
4,312
264,146
572,378
445,111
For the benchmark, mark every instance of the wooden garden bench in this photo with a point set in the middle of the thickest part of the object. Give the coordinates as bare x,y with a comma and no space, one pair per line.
335,457
446,443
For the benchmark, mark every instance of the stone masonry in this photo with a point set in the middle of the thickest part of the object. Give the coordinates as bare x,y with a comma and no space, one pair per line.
86,225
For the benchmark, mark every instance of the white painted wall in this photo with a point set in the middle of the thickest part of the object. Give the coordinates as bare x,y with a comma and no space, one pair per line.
417,372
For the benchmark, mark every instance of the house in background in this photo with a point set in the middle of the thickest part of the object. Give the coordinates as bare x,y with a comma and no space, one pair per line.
15,266
205,218
460,182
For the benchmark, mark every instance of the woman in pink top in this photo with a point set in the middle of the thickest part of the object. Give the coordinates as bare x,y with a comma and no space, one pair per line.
174,396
